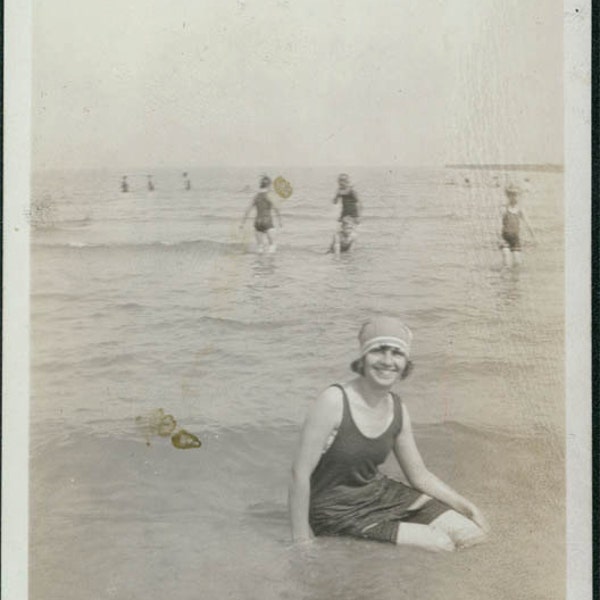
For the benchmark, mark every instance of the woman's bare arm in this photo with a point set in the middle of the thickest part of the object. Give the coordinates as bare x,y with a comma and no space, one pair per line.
422,479
248,210
528,225
323,416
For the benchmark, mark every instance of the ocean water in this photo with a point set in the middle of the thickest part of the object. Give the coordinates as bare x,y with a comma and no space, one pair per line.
156,300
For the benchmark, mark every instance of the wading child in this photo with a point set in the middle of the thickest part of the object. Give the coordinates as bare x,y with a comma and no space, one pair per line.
263,223
512,215
351,206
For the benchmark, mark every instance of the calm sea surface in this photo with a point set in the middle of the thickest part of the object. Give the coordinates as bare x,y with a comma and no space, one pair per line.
156,300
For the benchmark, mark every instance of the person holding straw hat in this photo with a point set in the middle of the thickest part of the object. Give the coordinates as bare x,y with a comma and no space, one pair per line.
337,488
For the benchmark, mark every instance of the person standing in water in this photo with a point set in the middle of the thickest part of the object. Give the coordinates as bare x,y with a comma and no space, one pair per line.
263,223
150,183
124,184
187,184
512,215
344,237
351,206
337,488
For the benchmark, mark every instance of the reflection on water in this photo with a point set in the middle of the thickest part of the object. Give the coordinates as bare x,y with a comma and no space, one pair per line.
263,265
510,290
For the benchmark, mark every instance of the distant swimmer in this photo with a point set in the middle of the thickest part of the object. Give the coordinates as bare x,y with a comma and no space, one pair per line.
263,223
512,215
124,184
351,205
344,237
187,184
150,183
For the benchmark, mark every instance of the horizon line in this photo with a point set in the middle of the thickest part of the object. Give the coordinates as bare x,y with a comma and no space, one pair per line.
555,165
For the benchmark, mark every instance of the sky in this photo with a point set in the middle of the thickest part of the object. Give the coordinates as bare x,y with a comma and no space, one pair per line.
183,83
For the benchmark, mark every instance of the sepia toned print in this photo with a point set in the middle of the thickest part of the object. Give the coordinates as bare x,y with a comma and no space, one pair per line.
222,408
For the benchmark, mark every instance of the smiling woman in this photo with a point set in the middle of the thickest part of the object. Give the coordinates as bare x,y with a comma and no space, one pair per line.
337,488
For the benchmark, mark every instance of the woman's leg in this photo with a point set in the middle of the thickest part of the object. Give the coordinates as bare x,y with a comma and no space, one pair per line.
424,536
259,241
507,257
336,243
517,257
271,237
462,531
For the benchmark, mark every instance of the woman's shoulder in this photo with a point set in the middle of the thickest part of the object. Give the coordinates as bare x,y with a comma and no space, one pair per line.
330,400
331,397
399,406
397,398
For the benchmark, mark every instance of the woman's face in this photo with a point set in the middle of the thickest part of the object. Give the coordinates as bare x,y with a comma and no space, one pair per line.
384,365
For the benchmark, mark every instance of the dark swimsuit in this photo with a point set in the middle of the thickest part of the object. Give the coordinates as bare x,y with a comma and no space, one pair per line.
263,221
350,496
349,204
510,230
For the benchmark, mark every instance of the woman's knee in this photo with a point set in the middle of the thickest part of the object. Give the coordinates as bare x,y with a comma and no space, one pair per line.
443,541
462,531
424,536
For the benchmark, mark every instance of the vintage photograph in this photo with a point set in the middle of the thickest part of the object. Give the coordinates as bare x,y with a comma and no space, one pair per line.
297,300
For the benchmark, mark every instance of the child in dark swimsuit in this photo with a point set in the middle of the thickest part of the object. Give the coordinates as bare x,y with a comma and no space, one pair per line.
337,488
512,215
263,223
351,206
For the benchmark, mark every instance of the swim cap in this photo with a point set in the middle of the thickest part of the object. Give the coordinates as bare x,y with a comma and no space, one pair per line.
383,331
265,181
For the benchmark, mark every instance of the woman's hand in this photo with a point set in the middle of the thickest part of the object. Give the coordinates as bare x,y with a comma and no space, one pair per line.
477,517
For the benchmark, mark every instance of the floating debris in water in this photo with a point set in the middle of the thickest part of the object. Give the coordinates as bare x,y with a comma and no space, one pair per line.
159,423
184,440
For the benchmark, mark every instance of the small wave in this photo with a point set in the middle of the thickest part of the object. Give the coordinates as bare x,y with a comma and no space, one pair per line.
68,224
441,314
60,296
181,244
482,431
95,363
296,216
128,306
237,325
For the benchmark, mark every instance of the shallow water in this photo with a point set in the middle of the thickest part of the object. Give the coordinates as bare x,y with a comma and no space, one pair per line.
156,300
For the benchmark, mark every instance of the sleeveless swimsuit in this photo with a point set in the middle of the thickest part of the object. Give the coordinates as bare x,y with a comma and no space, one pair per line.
263,221
510,230
350,496
349,204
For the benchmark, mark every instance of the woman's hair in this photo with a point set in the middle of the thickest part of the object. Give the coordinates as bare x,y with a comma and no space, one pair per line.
359,367
265,181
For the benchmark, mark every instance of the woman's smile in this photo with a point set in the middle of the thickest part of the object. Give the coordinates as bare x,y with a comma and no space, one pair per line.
384,364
